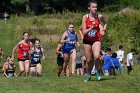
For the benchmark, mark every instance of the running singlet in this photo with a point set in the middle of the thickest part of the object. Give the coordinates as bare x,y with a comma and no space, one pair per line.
11,70
60,55
36,56
72,42
23,52
94,34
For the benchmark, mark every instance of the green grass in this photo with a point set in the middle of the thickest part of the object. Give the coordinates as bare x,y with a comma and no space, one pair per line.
49,83
6,35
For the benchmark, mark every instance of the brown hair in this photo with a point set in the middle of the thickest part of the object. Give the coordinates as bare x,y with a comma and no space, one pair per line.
70,23
91,1
25,33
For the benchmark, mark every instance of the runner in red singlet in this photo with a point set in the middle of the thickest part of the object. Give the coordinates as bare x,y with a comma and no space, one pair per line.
24,47
92,31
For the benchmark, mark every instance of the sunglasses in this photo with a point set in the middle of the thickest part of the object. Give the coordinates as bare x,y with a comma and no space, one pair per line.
71,27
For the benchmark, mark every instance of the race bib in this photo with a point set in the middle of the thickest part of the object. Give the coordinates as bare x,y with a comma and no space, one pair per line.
92,33
36,59
25,54
71,42
10,74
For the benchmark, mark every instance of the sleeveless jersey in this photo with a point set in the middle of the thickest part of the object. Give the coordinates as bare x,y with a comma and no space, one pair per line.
94,34
11,69
72,42
23,52
36,56
60,55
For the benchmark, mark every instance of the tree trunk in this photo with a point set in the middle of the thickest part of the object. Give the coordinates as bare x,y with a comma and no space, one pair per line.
28,8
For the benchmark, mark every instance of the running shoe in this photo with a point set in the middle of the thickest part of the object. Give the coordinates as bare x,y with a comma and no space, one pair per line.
97,75
87,79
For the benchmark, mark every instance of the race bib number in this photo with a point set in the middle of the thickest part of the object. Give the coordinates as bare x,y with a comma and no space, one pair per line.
25,54
36,59
10,74
71,42
92,33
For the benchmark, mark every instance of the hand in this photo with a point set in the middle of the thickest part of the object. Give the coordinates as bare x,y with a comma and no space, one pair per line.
102,33
68,39
12,59
15,75
43,57
94,24
78,44
82,37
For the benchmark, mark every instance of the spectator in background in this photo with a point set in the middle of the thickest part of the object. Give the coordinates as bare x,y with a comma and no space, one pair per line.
130,60
79,68
84,64
114,64
5,15
120,54
106,64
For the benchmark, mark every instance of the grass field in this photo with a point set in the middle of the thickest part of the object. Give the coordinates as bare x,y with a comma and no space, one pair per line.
49,83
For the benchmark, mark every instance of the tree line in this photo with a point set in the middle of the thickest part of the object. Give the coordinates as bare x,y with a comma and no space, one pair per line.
51,6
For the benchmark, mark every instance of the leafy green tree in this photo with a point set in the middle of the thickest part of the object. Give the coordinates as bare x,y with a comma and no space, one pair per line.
27,5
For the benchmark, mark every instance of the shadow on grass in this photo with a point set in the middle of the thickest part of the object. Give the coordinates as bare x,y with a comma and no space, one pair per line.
104,79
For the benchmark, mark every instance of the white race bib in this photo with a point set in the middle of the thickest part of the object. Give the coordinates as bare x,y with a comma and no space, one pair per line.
36,59
92,33
71,42
25,54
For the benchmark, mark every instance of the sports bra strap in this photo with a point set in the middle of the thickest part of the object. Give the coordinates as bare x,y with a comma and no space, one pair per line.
87,15
39,48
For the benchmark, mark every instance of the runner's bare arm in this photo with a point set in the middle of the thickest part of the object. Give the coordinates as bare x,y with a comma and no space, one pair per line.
43,55
15,74
63,38
77,41
84,30
102,19
14,49
57,49
102,32
30,51
4,69
80,32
